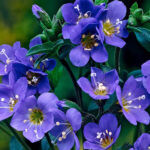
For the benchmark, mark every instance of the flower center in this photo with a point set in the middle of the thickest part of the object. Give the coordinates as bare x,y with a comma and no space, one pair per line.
109,29
127,104
33,78
13,102
105,138
36,116
89,41
63,135
100,89
81,15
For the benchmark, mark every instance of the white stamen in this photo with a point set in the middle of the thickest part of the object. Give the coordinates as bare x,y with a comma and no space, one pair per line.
16,96
2,99
24,121
110,133
57,123
26,130
29,109
93,74
129,94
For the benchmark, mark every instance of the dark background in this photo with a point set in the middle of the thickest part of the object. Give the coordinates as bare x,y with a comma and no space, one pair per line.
18,24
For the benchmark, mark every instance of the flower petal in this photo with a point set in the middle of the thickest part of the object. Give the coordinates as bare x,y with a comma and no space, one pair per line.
108,122
93,146
129,117
47,101
116,10
79,57
69,13
99,54
75,118
115,41
141,115
90,131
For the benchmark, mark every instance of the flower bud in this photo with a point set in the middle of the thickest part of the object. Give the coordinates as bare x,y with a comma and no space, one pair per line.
138,13
132,21
42,15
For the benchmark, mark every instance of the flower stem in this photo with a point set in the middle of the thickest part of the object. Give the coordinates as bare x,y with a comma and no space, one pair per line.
77,89
117,55
49,141
23,143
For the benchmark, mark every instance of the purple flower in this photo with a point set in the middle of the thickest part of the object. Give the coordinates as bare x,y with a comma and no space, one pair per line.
81,9
11,97
36,9
10,54
102,136
102,84
65,128
146,75
134,99
35,117
113,28
89,44
142,143
36,79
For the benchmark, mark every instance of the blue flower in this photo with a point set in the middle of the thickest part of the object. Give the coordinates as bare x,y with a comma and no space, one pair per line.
102,84
11,97
74,13
142,143
134,99
65,127
113,26
103,135
35,117
10,54
37,80
89,44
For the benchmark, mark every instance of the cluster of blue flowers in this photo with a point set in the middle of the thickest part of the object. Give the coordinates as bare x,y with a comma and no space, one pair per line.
24,91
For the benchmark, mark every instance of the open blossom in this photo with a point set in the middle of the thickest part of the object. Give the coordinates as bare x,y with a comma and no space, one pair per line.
74,13
103,135
142,143
65,128
10,54
36,79
11,97
146,75
35,117
134,99
113,25
89,44
102,84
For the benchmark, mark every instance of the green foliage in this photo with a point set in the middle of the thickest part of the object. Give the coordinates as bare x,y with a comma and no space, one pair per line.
70,104
44,144
143,36
15,145
48,47
98,2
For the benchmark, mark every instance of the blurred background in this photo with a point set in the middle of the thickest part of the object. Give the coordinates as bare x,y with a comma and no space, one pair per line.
18,24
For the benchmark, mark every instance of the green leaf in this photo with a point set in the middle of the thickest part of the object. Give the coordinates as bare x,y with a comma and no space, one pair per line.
48,47
110,102
71,104
134,7
44,144
98,2
15,145
111,55
55,75
135,73
143,37
92,106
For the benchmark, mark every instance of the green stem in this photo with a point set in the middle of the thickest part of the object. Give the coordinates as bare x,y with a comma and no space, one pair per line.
26,147
77,89
117,55
4,130
49,141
